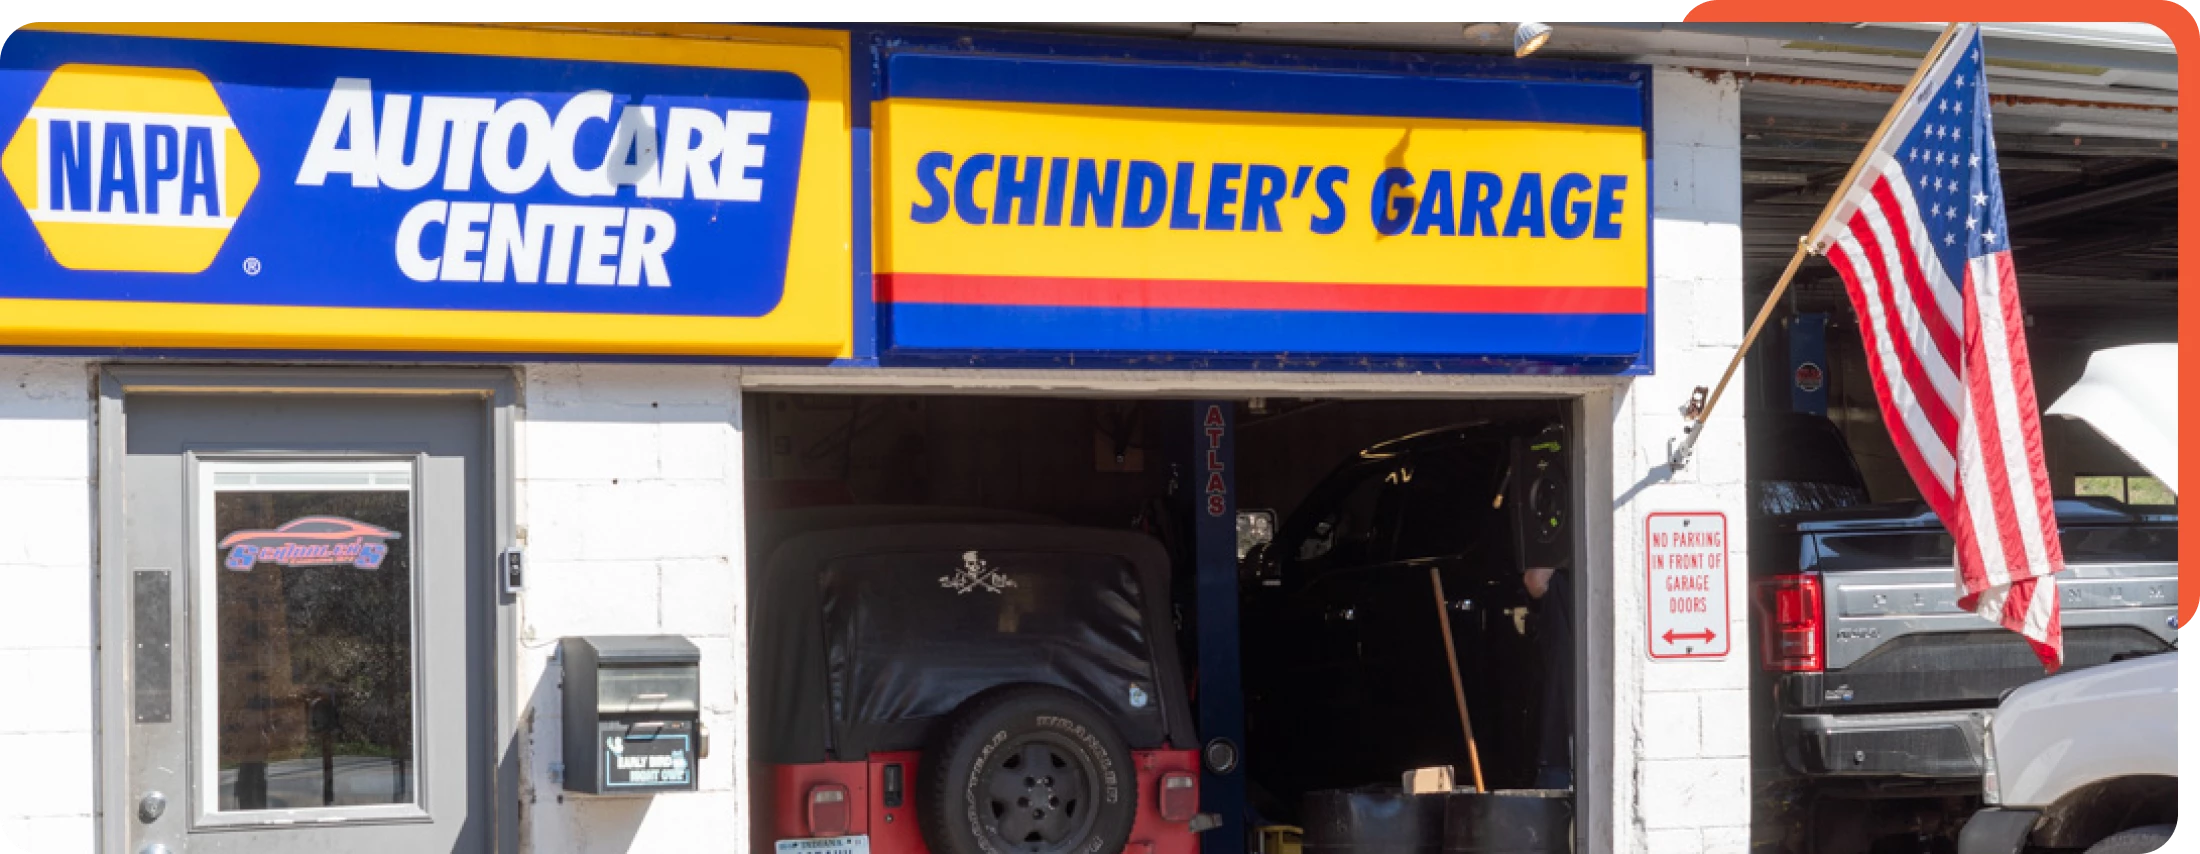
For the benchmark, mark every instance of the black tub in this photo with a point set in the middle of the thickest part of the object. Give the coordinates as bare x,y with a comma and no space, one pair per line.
1372,821
1509,821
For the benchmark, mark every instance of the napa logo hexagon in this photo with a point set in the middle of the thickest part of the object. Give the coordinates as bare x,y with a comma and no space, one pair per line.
130,169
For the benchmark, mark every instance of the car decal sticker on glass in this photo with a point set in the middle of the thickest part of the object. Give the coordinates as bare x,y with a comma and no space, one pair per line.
975,575
309,541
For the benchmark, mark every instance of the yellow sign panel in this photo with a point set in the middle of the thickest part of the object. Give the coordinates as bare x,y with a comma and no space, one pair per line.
1266,197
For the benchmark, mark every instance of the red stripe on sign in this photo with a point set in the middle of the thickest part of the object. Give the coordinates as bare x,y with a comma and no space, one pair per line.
1276,296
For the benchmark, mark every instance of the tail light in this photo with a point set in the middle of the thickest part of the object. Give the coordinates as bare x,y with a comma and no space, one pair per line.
1989,782
1794,625
1179,796
828,810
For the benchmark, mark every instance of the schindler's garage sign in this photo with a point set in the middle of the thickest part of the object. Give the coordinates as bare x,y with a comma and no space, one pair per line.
1052,207
425,188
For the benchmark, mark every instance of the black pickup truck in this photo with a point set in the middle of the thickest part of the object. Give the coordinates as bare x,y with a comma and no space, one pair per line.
1873,685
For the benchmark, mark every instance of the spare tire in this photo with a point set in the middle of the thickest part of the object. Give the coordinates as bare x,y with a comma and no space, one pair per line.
1027,770
2135,841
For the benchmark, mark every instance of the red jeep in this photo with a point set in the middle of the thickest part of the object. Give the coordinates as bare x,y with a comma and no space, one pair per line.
961,688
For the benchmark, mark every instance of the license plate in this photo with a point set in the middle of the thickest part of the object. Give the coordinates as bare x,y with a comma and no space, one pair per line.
826,845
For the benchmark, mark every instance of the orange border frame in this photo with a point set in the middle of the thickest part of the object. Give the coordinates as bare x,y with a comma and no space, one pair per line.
2174,20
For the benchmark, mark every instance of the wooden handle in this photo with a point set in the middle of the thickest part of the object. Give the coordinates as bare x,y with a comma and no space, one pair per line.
1458,689
1764,313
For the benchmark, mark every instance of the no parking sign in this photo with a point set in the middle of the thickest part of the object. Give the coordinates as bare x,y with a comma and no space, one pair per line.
1686,553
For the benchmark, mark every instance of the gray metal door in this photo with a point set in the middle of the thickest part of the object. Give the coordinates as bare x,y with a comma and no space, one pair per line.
310,657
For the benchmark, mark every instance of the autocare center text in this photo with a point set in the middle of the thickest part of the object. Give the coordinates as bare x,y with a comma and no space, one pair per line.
511,145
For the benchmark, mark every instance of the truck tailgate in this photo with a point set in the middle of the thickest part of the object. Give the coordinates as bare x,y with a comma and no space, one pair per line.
1896,638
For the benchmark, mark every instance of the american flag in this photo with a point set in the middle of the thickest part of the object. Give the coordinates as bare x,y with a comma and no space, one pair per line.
1921,240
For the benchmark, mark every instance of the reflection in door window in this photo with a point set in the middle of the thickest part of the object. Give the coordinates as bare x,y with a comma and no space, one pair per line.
309,644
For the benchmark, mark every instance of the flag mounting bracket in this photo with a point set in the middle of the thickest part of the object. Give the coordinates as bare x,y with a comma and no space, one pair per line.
1695,406
1701,401
1679,451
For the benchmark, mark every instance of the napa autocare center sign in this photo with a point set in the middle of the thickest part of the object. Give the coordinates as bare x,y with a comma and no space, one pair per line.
1066,206
425,188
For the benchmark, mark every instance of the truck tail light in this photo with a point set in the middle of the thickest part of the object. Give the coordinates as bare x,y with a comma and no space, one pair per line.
1793,607
1989,782
1179,796
828,810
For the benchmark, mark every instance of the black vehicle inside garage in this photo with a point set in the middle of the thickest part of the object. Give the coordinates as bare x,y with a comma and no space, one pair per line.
1346,682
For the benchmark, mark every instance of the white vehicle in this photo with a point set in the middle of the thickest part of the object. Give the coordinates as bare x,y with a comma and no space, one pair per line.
2087,761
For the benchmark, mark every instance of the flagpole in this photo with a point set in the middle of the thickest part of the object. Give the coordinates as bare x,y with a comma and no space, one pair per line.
1699,414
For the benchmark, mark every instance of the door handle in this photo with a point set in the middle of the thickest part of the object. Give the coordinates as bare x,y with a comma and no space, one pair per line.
151,806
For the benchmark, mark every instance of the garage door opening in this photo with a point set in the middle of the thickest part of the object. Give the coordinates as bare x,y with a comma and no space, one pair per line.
1351,515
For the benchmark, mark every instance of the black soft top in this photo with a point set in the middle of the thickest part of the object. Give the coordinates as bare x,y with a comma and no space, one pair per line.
868,638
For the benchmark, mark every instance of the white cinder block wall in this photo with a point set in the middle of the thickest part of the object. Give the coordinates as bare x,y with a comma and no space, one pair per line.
1681,757
629,500
47,654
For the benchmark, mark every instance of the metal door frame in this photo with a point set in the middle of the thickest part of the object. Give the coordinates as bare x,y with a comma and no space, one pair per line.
496,387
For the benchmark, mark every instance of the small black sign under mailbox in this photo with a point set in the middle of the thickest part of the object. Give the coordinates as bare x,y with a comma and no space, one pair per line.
651,755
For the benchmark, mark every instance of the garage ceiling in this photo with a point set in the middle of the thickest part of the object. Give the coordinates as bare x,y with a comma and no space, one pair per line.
2085,122
2092,220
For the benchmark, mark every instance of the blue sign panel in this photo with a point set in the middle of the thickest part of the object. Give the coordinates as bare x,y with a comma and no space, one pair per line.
1032,208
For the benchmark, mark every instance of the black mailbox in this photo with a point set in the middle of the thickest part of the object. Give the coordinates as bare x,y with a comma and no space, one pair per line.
632,709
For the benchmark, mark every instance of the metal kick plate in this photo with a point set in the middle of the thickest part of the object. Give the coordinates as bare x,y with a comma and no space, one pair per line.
152,650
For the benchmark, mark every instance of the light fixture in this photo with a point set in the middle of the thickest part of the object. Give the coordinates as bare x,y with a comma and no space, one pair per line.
1484,34
1528,36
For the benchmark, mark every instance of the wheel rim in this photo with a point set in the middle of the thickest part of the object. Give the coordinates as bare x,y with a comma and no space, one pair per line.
1041,794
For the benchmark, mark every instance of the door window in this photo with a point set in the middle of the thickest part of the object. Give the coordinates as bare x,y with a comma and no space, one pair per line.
307,680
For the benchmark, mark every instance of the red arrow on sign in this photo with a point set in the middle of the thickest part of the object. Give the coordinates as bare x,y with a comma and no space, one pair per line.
1706,636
